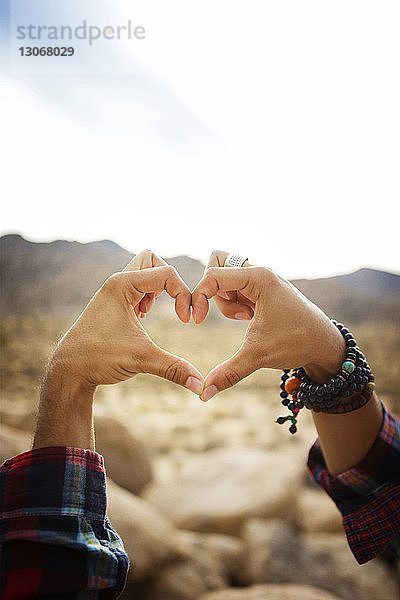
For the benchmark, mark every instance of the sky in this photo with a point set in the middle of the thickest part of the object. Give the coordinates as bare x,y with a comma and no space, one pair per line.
269,128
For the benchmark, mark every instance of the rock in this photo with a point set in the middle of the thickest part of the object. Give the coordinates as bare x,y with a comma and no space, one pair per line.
374,580
186,579
13,442
317,512
149,537
272,592
206,562
226,551
221,488
126,459
276,554
19,414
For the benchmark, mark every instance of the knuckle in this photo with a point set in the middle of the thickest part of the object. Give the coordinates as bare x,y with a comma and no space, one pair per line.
267,277
145,255
113,282
170,271
218,254
174,371
143,356
212,272
261,272
267,274
230,376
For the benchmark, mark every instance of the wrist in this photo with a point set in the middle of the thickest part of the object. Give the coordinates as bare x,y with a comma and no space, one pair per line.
62,376
65,412
339,381
331,354
319,373
66,386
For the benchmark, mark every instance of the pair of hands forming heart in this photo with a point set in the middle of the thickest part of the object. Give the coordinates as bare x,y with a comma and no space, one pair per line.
107,344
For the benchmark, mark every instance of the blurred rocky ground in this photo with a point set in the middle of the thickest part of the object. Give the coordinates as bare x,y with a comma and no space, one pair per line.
215,503
235,521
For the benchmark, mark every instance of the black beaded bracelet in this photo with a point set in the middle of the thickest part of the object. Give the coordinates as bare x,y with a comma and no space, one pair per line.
353,379
353,403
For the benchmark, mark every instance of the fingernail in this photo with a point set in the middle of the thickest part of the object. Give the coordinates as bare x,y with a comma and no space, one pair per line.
209,392
194,385
243,316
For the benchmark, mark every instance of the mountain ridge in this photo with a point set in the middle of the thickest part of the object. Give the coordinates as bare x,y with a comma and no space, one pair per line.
60,277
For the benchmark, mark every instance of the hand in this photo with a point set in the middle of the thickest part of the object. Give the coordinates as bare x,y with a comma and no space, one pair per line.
108,344
286,331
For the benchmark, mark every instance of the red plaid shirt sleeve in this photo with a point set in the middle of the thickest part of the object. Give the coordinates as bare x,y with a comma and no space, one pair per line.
56,541
368,495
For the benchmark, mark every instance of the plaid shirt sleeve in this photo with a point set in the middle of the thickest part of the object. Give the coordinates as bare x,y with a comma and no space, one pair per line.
56,540
368,495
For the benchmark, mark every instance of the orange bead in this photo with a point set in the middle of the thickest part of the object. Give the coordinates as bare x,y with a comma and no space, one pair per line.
292,385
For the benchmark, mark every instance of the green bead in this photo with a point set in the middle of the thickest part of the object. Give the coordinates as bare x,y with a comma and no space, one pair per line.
370,385
348,366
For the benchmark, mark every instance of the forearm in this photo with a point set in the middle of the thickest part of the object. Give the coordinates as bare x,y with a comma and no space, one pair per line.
65,412
345,438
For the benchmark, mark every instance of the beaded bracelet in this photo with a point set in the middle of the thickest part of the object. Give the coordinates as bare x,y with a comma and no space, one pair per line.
356,401
354,380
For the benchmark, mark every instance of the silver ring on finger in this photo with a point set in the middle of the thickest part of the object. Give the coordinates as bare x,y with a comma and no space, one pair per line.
235,260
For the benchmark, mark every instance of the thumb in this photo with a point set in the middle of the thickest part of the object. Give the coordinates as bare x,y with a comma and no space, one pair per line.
228,374
175,369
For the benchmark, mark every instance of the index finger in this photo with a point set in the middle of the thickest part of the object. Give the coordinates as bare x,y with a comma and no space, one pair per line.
218,258
156,280
230,303
146,259
224,279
